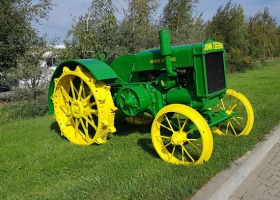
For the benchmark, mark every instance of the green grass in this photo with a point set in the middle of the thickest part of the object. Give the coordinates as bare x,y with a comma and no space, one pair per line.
37,163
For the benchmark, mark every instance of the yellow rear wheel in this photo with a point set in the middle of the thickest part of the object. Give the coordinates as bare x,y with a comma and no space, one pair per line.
180,135
83,107
243,115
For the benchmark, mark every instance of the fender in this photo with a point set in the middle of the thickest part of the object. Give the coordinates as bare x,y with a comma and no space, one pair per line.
99,69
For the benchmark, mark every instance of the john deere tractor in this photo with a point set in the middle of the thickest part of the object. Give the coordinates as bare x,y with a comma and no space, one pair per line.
182,89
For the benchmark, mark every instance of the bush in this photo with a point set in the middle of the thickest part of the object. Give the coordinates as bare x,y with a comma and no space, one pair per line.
237,61
27,103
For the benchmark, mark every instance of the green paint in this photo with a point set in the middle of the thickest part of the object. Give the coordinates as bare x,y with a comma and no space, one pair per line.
190,74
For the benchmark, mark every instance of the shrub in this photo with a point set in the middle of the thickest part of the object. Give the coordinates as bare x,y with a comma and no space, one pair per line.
28,103
237,61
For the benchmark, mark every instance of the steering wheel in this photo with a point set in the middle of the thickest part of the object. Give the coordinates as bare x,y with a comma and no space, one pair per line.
101,55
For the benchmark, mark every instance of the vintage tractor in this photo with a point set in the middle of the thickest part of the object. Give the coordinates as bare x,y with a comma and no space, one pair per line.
182,89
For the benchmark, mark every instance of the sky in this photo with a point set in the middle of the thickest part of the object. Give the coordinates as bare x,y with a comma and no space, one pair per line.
61,17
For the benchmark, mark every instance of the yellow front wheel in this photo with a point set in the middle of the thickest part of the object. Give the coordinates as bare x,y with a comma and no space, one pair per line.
83,107
238,105
180,135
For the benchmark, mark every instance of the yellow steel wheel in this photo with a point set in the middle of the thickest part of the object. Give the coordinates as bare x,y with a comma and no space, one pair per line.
243,119
180,135
83,107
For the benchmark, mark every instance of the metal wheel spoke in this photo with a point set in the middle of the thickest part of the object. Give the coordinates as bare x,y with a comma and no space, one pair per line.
237,122
159,138
91,122
169,123
190,131
72,87
92,104
232,128
88,97
65,94
183,156
227,127
178,120
189,155
232,108
65,109
80,90
93,111
85,129
165,137
223,105
165,126
77,127
192,144
84,92
69,119
184,124
173,150
164,147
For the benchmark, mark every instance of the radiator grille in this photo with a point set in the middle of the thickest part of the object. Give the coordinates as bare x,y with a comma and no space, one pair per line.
215,72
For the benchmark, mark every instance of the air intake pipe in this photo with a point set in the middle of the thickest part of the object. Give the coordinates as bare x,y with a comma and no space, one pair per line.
165,47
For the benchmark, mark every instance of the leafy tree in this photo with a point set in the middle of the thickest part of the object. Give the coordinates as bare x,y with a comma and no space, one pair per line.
178,18
264,36
138,27
94,31
228,26
31,97
17,33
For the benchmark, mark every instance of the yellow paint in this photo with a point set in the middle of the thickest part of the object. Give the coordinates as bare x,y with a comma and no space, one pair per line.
161,60
213,46
218,45
174,143
240,124
208,47
83,107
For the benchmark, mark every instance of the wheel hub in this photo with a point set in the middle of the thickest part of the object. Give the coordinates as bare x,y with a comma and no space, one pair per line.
77,109
229,112
178,138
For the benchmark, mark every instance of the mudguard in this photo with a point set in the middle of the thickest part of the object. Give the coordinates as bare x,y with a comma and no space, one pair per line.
99,69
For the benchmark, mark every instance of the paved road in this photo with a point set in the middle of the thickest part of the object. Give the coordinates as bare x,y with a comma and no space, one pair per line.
263,183
255,176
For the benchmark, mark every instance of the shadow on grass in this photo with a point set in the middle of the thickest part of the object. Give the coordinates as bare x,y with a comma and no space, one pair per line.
124,128
54,127
147,145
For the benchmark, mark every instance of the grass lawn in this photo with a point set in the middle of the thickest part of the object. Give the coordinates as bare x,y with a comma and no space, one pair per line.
36,163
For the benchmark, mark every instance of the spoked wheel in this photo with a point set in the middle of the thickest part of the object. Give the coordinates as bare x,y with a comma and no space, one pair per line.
180,135
242,120
83,107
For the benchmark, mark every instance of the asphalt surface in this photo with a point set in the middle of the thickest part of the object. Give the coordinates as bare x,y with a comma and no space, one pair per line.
255,176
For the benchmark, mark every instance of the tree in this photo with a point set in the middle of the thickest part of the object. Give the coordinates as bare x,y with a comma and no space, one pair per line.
228,26
178,18
94,31
264,38
138,27
17,33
